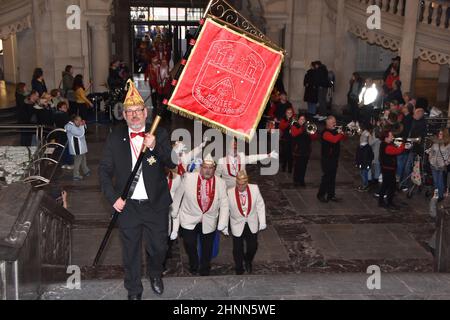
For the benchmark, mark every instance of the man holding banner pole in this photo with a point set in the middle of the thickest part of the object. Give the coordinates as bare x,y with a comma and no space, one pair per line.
143,215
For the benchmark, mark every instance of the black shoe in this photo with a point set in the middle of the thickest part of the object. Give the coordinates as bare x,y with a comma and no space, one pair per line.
135,297
157,285
334,199
322,199
248,267
239,272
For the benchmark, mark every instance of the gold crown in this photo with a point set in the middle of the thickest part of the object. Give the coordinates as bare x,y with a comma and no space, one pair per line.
242,176
133,97
208,160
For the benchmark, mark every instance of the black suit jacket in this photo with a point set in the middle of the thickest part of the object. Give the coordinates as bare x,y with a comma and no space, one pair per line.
117,163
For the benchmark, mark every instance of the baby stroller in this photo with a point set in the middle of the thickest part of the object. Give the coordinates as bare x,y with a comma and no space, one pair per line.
421,177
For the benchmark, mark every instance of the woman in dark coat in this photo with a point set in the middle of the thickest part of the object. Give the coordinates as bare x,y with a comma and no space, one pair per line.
311,92
38,82
356,86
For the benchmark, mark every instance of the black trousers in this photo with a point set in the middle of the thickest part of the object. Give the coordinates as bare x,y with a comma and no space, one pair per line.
239,254
388,186
328,182
286,158
300,166
190,245
354,109
137,222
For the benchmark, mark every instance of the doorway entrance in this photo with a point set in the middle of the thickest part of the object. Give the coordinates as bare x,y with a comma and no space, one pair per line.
163,31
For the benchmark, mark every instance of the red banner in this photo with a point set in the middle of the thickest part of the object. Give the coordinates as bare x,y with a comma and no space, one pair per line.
227,80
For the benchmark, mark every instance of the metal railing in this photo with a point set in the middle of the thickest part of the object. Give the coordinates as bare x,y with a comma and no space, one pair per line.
44,162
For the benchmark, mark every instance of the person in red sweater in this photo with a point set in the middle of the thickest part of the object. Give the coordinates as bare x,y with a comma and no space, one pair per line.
302,142
331,149
285,127
388,161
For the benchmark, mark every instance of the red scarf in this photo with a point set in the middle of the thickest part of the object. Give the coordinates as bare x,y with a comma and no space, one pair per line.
170,180
239,166
211,190
181,170
238,200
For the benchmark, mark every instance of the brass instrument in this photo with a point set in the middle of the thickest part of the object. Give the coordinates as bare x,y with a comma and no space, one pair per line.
311,128
349,132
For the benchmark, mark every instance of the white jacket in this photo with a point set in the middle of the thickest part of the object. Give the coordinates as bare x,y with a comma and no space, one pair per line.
190,213
222,168
256,217
176,192
76,138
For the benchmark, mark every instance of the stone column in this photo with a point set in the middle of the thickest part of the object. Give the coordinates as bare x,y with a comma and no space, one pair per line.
101,55
10,59
408,45
443,84
341,73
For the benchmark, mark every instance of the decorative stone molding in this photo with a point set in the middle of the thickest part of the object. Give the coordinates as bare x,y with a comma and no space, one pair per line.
372,37
17,26
432,56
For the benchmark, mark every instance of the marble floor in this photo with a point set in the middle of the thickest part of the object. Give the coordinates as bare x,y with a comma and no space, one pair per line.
312,286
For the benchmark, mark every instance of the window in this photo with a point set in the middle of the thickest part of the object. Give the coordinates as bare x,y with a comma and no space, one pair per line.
194,14
139,13
159,14
177,14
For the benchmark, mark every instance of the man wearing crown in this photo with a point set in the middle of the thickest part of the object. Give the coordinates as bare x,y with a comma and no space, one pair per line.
229,166
143,215
204,209
247,218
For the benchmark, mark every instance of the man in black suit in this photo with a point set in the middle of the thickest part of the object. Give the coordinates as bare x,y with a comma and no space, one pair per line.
145,212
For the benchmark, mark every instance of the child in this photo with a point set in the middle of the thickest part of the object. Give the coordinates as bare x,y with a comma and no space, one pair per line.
77,146
365,156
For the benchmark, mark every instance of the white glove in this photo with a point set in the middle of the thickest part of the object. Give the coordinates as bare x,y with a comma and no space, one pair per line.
262,227
225,232
408,146
179,147
173,235
274,155
205,141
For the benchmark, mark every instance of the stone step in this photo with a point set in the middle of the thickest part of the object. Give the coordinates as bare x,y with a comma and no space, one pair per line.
306,286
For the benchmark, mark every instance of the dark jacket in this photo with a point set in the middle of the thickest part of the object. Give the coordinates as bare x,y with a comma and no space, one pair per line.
364,157
117,163
39,86
67,86
360,85
322,77
311,89
395,95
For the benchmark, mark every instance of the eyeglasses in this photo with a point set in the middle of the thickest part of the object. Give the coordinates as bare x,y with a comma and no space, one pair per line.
131,112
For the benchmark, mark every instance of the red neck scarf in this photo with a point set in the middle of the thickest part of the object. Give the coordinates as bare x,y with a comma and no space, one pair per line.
170,180
181,170
238,158
211,191
238,200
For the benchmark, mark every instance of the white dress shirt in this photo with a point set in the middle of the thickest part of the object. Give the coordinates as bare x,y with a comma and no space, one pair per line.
140,193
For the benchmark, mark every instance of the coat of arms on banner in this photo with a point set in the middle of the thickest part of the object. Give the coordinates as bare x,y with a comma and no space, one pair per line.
227,80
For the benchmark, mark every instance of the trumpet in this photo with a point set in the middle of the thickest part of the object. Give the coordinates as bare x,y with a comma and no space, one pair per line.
349,132
409,140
